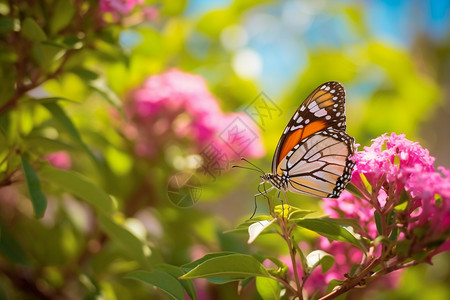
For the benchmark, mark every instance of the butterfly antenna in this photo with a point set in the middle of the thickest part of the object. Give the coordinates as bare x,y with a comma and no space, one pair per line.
247,161
241,167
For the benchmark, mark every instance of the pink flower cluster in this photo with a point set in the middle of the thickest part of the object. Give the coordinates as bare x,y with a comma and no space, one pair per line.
391,166
177,108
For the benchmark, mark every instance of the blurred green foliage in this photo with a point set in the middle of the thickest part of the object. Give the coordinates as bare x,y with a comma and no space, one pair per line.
65,76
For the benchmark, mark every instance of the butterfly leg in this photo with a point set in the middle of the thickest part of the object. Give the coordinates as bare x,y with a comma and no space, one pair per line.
282,203
261,193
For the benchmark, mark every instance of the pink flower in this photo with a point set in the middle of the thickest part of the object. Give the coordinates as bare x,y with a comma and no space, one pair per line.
387,159
177,108
123,7
60,159
430,192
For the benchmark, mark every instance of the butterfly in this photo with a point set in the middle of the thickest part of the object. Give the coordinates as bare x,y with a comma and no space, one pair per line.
313,155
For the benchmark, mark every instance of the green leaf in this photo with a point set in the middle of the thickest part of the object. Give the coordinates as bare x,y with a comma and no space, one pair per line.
177,272
101,86
319,257
162,280
234,266
48,100
11,249
394,234
195,263
355,191
378,222
331,230
332,285
282,269
7,24
131,244
34,189
353,269
243,227
268,288
46,54
59,114
47,145
299,213
62,16
347,222
32,31
79,186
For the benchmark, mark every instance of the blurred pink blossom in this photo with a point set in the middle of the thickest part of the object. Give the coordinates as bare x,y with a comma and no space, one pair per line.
150,13
123,7
60,159
177,107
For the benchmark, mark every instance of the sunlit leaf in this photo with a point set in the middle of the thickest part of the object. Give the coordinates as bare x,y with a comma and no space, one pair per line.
34,188
298,213
59,114
101,86
331,230
79,186
162,280
257,228
131,245
234,266
195,263
268,288
319,257
177,272
62,16
243,227
333,284
32,31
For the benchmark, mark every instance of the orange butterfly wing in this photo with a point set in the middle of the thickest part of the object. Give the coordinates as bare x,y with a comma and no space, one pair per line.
323,108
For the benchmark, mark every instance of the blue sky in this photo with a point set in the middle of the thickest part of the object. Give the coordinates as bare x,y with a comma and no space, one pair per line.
283,54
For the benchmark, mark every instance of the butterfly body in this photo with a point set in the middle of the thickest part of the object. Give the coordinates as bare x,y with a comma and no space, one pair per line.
313,156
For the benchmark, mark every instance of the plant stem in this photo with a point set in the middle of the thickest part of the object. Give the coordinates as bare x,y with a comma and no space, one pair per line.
352,282
288,240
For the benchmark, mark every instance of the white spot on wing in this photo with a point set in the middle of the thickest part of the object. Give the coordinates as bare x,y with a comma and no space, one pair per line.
294,128
314,109
295,116
320,113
